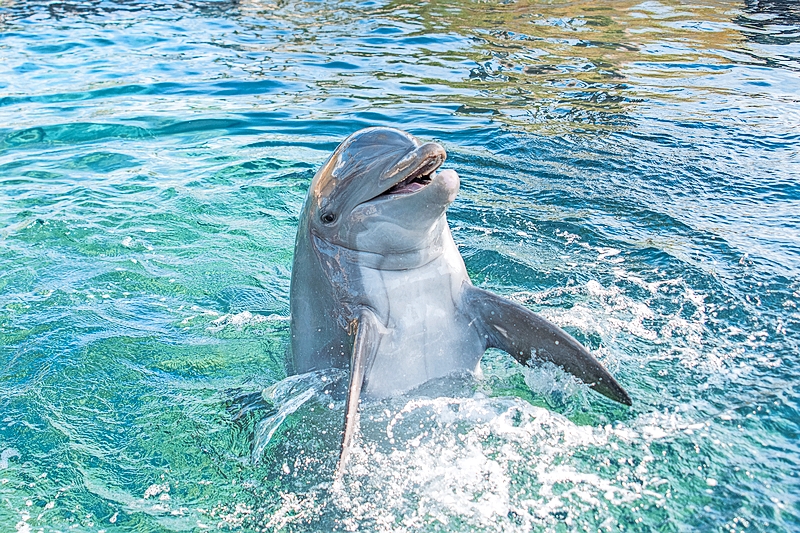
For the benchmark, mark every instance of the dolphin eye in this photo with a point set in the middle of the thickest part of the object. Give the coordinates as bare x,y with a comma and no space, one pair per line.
328,218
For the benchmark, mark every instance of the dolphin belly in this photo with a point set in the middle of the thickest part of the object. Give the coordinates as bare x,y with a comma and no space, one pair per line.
426,335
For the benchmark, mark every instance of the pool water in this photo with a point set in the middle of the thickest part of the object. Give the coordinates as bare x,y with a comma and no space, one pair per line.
629,170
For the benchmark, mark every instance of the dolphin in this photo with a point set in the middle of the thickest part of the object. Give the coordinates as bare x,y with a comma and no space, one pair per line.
378,285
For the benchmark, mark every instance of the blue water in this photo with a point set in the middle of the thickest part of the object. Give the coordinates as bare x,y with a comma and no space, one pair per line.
629,170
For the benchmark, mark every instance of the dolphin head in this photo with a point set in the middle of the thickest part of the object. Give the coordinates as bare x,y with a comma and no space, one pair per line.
380,193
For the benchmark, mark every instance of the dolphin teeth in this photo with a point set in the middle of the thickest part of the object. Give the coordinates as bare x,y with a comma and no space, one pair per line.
417,178
410,184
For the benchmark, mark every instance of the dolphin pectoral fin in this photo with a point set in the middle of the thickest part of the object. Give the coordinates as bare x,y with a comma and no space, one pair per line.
364,348
524,334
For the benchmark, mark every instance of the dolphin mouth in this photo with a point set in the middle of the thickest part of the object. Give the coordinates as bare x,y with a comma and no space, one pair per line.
410,184
418,179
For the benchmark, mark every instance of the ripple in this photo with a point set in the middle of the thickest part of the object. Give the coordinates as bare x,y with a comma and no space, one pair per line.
629,170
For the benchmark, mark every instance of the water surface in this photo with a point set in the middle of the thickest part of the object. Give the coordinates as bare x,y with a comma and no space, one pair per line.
629,170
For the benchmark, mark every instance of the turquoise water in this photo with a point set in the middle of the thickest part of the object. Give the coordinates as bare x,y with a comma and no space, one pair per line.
629,170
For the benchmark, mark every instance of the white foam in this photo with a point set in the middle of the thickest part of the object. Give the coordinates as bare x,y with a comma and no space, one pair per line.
156,489
6,455
240,320
490,464
463,468
23,526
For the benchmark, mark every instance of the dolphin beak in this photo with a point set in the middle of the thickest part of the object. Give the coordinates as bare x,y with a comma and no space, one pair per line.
413,172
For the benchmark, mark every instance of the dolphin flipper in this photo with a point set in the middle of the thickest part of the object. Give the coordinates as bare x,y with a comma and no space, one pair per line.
522,333
364,348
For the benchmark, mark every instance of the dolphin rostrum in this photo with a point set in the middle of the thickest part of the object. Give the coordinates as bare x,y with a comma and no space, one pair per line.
378,283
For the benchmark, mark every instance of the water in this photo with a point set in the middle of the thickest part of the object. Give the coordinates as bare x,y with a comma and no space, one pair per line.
629,170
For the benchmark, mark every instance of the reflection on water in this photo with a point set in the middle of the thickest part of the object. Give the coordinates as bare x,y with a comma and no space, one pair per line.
771,22
629,170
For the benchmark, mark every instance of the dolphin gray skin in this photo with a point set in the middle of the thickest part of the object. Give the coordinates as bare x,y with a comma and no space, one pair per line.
379,286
